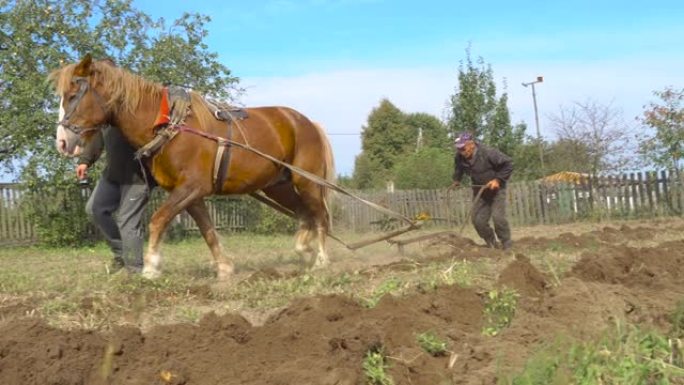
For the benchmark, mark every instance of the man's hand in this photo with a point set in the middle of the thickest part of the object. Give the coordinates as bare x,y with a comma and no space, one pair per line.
493,184
82,171
454,185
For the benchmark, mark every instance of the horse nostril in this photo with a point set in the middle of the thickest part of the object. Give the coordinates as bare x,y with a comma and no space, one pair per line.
62,145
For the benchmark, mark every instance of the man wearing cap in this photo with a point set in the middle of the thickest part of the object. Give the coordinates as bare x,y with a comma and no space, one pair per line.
490,169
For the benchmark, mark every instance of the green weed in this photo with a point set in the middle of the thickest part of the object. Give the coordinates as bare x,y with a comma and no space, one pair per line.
375,368
432,343
388,286
499,310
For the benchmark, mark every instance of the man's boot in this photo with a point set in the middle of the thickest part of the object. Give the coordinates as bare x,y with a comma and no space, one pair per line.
491,243
116,264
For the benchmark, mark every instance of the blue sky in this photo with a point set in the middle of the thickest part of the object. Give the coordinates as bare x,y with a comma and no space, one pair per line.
334,60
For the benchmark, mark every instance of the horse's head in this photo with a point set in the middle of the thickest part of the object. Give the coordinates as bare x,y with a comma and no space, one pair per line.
82,110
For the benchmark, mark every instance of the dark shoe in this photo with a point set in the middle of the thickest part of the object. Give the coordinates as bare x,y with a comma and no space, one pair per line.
507,244
492,244
116,265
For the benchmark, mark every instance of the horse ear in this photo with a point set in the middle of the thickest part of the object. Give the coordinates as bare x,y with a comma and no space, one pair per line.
83,68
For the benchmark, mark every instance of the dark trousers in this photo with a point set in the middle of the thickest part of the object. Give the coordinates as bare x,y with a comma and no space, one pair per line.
492,205
117,209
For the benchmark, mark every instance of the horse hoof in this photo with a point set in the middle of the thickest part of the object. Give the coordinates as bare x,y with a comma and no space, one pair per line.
224,272
320,264
151,274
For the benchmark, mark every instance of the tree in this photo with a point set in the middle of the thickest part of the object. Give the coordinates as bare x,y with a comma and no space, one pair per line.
390,137
476,108
526,163
665,146
383,140
473,104
38,36
433,133
568,155
601,129
427,168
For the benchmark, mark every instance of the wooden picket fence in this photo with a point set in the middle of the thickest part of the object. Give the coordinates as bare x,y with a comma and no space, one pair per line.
228,213
633,195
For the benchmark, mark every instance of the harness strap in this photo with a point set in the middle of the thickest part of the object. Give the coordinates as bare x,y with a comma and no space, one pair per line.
222,161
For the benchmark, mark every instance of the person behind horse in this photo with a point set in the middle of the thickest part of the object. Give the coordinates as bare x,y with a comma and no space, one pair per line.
118,200
489,169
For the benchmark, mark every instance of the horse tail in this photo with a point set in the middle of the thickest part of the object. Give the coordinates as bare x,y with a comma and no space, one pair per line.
329,168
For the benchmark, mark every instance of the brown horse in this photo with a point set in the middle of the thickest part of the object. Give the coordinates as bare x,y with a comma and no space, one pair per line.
96,93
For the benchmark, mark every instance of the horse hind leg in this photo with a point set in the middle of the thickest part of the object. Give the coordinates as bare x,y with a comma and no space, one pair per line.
199,213
285,195
316,213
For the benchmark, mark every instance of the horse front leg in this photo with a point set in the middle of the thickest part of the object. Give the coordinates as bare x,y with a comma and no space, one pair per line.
178,200
198,211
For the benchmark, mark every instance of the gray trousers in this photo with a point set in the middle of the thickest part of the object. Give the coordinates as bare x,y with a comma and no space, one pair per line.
117,209
492,206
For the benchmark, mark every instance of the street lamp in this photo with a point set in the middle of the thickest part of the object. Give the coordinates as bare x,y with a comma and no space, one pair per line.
536,119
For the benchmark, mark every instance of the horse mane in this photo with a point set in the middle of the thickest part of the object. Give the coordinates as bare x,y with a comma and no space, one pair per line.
125,90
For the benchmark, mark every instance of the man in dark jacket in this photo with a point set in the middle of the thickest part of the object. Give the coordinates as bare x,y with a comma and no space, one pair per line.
490,169
118,201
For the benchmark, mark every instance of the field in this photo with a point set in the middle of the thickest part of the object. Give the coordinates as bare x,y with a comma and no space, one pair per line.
584,304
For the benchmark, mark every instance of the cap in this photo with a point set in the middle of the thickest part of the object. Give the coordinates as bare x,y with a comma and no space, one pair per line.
462,139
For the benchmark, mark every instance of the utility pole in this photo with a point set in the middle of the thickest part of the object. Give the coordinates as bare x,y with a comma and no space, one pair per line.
536,119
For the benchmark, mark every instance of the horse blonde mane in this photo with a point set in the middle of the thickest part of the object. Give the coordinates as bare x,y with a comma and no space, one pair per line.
125,91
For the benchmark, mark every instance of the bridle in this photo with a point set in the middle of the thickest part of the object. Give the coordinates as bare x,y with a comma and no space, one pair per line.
83,87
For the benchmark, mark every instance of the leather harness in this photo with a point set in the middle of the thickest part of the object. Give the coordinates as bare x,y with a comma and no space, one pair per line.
170,120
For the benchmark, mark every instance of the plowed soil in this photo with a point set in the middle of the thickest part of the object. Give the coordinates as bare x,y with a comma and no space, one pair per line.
323,340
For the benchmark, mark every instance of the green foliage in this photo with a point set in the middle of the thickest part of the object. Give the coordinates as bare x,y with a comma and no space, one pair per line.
567,154
388,286
476,108
427,168
375,368
677,320
56,208
665,147
475,99
526,161
368,173
39,36
499,310
388,138
274,222
625,356
434,133
432,343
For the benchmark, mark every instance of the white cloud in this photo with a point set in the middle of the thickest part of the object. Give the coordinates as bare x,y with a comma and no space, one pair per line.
342,100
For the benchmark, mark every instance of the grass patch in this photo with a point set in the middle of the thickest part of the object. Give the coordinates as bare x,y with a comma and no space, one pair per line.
626,355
